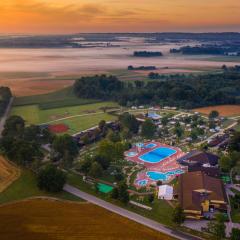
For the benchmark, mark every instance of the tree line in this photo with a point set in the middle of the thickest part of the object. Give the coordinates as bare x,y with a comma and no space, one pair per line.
5,96
186,91
147,54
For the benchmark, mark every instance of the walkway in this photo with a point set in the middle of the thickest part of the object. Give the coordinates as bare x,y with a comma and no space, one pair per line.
128,214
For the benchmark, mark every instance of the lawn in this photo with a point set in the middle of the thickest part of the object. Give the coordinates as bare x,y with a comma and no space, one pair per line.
26,186
161,211
34,115
29,113
78,124
61,98
42,219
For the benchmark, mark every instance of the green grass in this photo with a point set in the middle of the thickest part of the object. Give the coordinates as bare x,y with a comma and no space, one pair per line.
62,98
78,124
237,128
29,113
161,211
34,115
26,186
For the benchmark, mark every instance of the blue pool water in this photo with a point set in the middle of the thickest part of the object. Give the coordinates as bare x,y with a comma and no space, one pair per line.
131,154
150,145
157,155
163,176
142,182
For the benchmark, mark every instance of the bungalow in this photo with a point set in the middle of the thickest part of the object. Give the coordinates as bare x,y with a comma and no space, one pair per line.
199,194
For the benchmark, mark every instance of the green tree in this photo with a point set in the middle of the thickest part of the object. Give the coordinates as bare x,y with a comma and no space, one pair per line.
164,120
225,163
114,136
123,192
213,114
106,150
14,126
194,134
85,164
178,215
115,193
179,131
235,235
217,227
130,122
51,179
66,147
95,170
235,142
148,129
151,198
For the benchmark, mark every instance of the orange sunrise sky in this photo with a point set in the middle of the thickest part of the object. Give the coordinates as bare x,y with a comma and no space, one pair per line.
70,16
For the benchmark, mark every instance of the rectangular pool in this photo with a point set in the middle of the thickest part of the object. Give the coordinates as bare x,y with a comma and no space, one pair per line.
157,155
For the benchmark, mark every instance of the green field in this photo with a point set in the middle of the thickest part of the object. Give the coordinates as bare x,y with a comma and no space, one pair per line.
78,118
26,186
61,98
82,123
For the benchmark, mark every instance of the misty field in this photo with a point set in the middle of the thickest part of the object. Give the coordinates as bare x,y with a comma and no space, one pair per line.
51,220
38,71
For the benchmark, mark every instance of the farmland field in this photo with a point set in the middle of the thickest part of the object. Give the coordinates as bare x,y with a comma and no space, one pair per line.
51,220
38,71
8,173
224,110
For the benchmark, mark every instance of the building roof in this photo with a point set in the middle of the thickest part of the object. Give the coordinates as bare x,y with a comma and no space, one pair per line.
199,158
210,171
194,187
153,115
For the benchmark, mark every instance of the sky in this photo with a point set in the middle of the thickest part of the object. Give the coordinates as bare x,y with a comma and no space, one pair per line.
73,16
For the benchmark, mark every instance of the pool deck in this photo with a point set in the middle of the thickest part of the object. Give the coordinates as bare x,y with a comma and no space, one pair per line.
165,165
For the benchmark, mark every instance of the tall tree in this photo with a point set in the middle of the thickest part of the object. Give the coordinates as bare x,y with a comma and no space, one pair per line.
178,215
148,129
51,179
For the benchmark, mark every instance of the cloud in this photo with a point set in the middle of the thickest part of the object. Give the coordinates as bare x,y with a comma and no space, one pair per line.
114,15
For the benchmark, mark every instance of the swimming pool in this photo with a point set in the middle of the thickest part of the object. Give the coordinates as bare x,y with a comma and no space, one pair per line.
142,182
150,145
157,155
131,154
163,176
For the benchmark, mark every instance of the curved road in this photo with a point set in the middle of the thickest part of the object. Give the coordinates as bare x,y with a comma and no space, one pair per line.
128,214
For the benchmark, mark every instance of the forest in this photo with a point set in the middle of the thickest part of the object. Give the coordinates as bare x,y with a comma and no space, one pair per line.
186,91
5,96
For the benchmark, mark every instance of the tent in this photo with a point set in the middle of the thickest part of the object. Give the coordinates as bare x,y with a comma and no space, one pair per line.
165,192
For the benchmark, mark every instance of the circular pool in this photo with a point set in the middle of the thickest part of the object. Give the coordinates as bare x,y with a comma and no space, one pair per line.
142,182
131,154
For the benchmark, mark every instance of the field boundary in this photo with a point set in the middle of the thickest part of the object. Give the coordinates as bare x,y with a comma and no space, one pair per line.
43,198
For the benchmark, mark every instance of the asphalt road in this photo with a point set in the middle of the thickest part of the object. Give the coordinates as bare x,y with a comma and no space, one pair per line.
128,214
